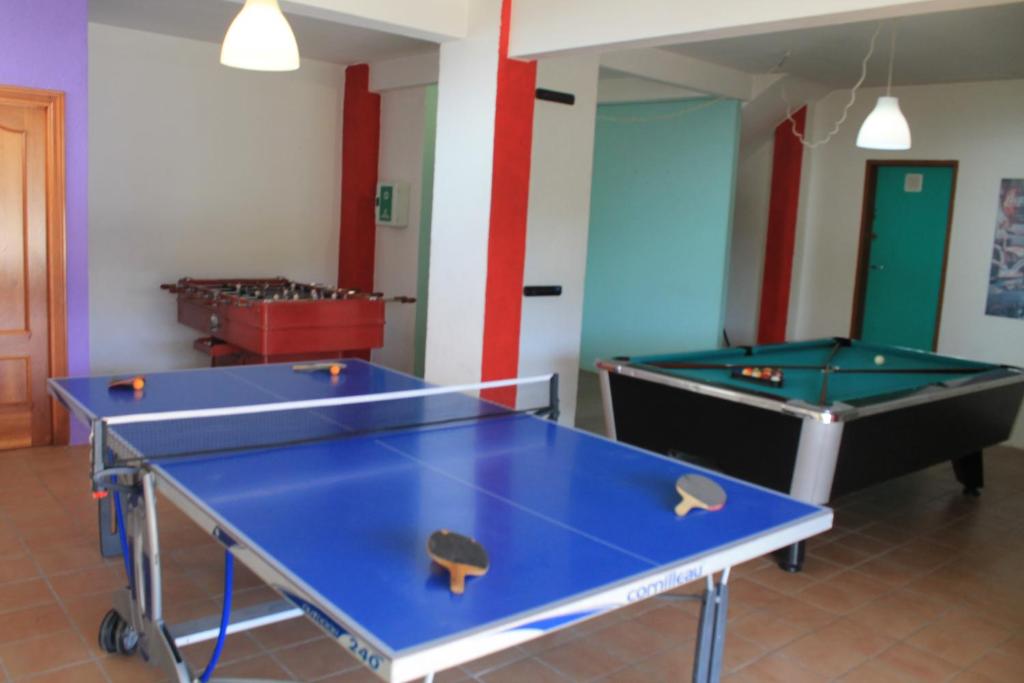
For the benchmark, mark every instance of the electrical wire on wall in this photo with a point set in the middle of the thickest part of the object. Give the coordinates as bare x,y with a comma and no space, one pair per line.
846,110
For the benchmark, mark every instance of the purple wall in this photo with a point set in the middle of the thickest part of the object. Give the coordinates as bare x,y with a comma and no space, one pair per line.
44,44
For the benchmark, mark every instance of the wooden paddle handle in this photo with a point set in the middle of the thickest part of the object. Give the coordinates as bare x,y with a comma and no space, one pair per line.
458,579
684,507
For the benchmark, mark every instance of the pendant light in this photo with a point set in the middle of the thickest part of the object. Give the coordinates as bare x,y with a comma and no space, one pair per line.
886,127
260,39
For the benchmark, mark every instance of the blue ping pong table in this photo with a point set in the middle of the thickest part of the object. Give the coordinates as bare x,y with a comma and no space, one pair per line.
329,496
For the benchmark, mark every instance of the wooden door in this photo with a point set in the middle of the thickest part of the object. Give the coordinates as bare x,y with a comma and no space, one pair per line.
31,264
904,244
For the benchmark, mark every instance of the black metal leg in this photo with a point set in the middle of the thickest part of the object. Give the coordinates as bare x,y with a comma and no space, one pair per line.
791,558
110,544
970,472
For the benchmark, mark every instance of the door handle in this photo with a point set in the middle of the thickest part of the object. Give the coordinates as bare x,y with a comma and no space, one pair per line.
878,267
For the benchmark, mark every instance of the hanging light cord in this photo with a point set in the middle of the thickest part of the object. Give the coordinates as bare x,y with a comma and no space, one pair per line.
892,59
846,110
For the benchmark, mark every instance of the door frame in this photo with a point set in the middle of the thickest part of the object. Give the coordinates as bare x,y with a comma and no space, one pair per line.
864,242
52,102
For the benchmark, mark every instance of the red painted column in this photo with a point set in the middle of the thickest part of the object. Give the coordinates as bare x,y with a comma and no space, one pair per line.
510,190
787,163
360,148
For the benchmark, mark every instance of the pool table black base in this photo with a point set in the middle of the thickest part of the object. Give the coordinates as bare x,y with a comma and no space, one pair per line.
786,452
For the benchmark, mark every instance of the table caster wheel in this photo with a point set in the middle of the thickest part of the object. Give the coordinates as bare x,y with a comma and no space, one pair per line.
117,635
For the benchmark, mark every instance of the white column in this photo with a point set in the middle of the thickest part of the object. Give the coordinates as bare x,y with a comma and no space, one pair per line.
467,88
558,223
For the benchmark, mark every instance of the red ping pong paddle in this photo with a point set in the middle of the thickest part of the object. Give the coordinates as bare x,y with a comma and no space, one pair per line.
460,555
332,367
698,492
135,383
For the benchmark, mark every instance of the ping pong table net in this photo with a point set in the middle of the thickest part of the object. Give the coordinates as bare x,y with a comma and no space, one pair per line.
138,439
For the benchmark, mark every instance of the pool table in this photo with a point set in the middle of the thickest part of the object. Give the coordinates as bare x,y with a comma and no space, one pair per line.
871,426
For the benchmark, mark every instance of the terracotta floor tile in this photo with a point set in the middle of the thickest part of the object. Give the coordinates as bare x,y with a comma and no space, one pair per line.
784,582
916,665
33,621
888,533
767,629
874,671
36,655
17,568
971,677
959,638
922,554
844,592
21,594
134,669
670,624
796,611
582,660
523,670
1001,666
669,666
628,640
101,579
864,544
631,674
314,659
494,661
285,633
262,666
836,648
745,595
73,556
887,570
89,672
775,668
236,646
899,614
739,652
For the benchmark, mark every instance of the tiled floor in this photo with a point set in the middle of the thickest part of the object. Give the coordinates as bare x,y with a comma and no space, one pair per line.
916,583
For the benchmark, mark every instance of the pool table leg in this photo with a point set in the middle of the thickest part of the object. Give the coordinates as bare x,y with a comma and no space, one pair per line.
813,470
969,471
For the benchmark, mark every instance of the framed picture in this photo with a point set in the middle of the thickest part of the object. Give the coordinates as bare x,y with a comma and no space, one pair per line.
1006,275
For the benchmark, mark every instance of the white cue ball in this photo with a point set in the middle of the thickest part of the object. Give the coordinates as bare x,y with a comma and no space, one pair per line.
879,360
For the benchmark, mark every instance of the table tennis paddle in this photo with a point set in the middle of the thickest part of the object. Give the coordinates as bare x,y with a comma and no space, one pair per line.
698,492
460,555
333,367
135,383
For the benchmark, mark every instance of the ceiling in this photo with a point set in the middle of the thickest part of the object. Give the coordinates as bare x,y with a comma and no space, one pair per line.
208,20
946,47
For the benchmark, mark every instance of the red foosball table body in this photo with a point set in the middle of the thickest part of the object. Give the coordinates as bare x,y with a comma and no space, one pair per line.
274,319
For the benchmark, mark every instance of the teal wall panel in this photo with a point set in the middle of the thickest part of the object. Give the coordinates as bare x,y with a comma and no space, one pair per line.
660,222
426,215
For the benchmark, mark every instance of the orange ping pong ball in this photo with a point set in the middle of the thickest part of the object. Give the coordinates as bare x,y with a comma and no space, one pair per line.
335,370
138,383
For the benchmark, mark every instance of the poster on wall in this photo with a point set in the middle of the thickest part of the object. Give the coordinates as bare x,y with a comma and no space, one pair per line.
1006,276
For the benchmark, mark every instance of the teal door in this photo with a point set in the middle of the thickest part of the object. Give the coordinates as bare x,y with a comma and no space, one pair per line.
906,255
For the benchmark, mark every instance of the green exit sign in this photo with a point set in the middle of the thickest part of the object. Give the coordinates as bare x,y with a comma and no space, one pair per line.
392,203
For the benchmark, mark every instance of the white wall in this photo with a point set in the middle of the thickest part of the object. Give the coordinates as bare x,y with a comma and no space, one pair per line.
978,124
200,170
746,252
558,221
397,249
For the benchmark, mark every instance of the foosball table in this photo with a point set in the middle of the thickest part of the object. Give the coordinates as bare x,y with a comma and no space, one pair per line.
264,320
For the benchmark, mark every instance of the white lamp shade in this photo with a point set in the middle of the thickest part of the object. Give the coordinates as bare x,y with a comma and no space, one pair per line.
885,127
260,39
